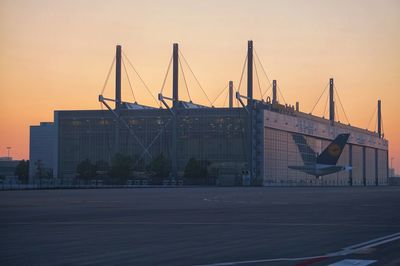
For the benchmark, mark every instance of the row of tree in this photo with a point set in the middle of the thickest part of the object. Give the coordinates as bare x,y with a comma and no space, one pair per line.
41,172
125,167
122,168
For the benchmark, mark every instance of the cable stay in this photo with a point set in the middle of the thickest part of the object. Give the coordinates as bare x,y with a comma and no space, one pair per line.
196,79
326,105
218,95
226,97
280,92
238,95
268,79
108,76
340,102
184,79
160,95
373,115
166,75
337,114
241,76
140,78
262,67
262,94
258,79
319,98
185,104
265,92
129,81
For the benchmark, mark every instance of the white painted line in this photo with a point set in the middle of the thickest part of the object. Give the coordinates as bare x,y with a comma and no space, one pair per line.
377,243
345,251
371,241
202,223
262,260
353,263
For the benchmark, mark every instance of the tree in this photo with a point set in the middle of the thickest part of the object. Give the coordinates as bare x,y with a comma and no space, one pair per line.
86,170
138,163
102,169
40,170
158,169
196,172
22,171
121,168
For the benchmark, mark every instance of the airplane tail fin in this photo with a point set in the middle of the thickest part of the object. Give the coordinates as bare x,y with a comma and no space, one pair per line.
331,154
308,155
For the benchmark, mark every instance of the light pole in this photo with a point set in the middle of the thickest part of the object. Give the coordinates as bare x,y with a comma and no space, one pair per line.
8,152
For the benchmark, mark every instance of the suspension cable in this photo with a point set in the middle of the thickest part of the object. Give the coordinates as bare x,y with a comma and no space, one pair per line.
219,94
262,67
344,111
326,105
319,98
337,113
184,79
226,97
166,75
265,92
241,76
144,84
280,92
258,80
129,81
198,83
108,76
373,115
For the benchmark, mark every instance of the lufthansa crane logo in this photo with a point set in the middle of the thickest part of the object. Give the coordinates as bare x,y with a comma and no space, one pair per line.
334,150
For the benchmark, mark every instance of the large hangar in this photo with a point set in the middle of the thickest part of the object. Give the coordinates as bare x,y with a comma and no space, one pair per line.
250,144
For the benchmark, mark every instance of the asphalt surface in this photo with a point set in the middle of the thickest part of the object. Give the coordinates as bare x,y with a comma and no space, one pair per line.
191,226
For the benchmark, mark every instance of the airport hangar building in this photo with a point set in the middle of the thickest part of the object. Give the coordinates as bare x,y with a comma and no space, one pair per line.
248,145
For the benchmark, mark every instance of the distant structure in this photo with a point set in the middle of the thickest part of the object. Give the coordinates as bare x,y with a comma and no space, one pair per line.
392,172
251,144
7,170
42,149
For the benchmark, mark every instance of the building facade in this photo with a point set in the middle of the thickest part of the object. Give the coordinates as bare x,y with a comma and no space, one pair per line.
219,136
42,150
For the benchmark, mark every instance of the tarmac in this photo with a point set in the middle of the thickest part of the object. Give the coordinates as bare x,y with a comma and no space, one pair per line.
201,226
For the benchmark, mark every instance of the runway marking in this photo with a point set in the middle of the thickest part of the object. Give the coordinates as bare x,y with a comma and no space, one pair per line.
353,263
231,201
200,224
371,241
312,259
217,200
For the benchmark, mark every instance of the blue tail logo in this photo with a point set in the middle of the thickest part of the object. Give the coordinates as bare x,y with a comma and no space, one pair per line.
331,154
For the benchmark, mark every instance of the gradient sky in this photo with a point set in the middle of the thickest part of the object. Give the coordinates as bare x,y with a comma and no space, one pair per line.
54,55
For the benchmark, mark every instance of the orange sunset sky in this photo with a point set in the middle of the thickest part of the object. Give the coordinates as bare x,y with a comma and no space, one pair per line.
54,55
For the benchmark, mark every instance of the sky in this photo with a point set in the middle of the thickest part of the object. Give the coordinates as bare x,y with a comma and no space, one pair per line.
55,55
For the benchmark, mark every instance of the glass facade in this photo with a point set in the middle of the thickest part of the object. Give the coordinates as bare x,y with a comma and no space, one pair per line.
213,135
